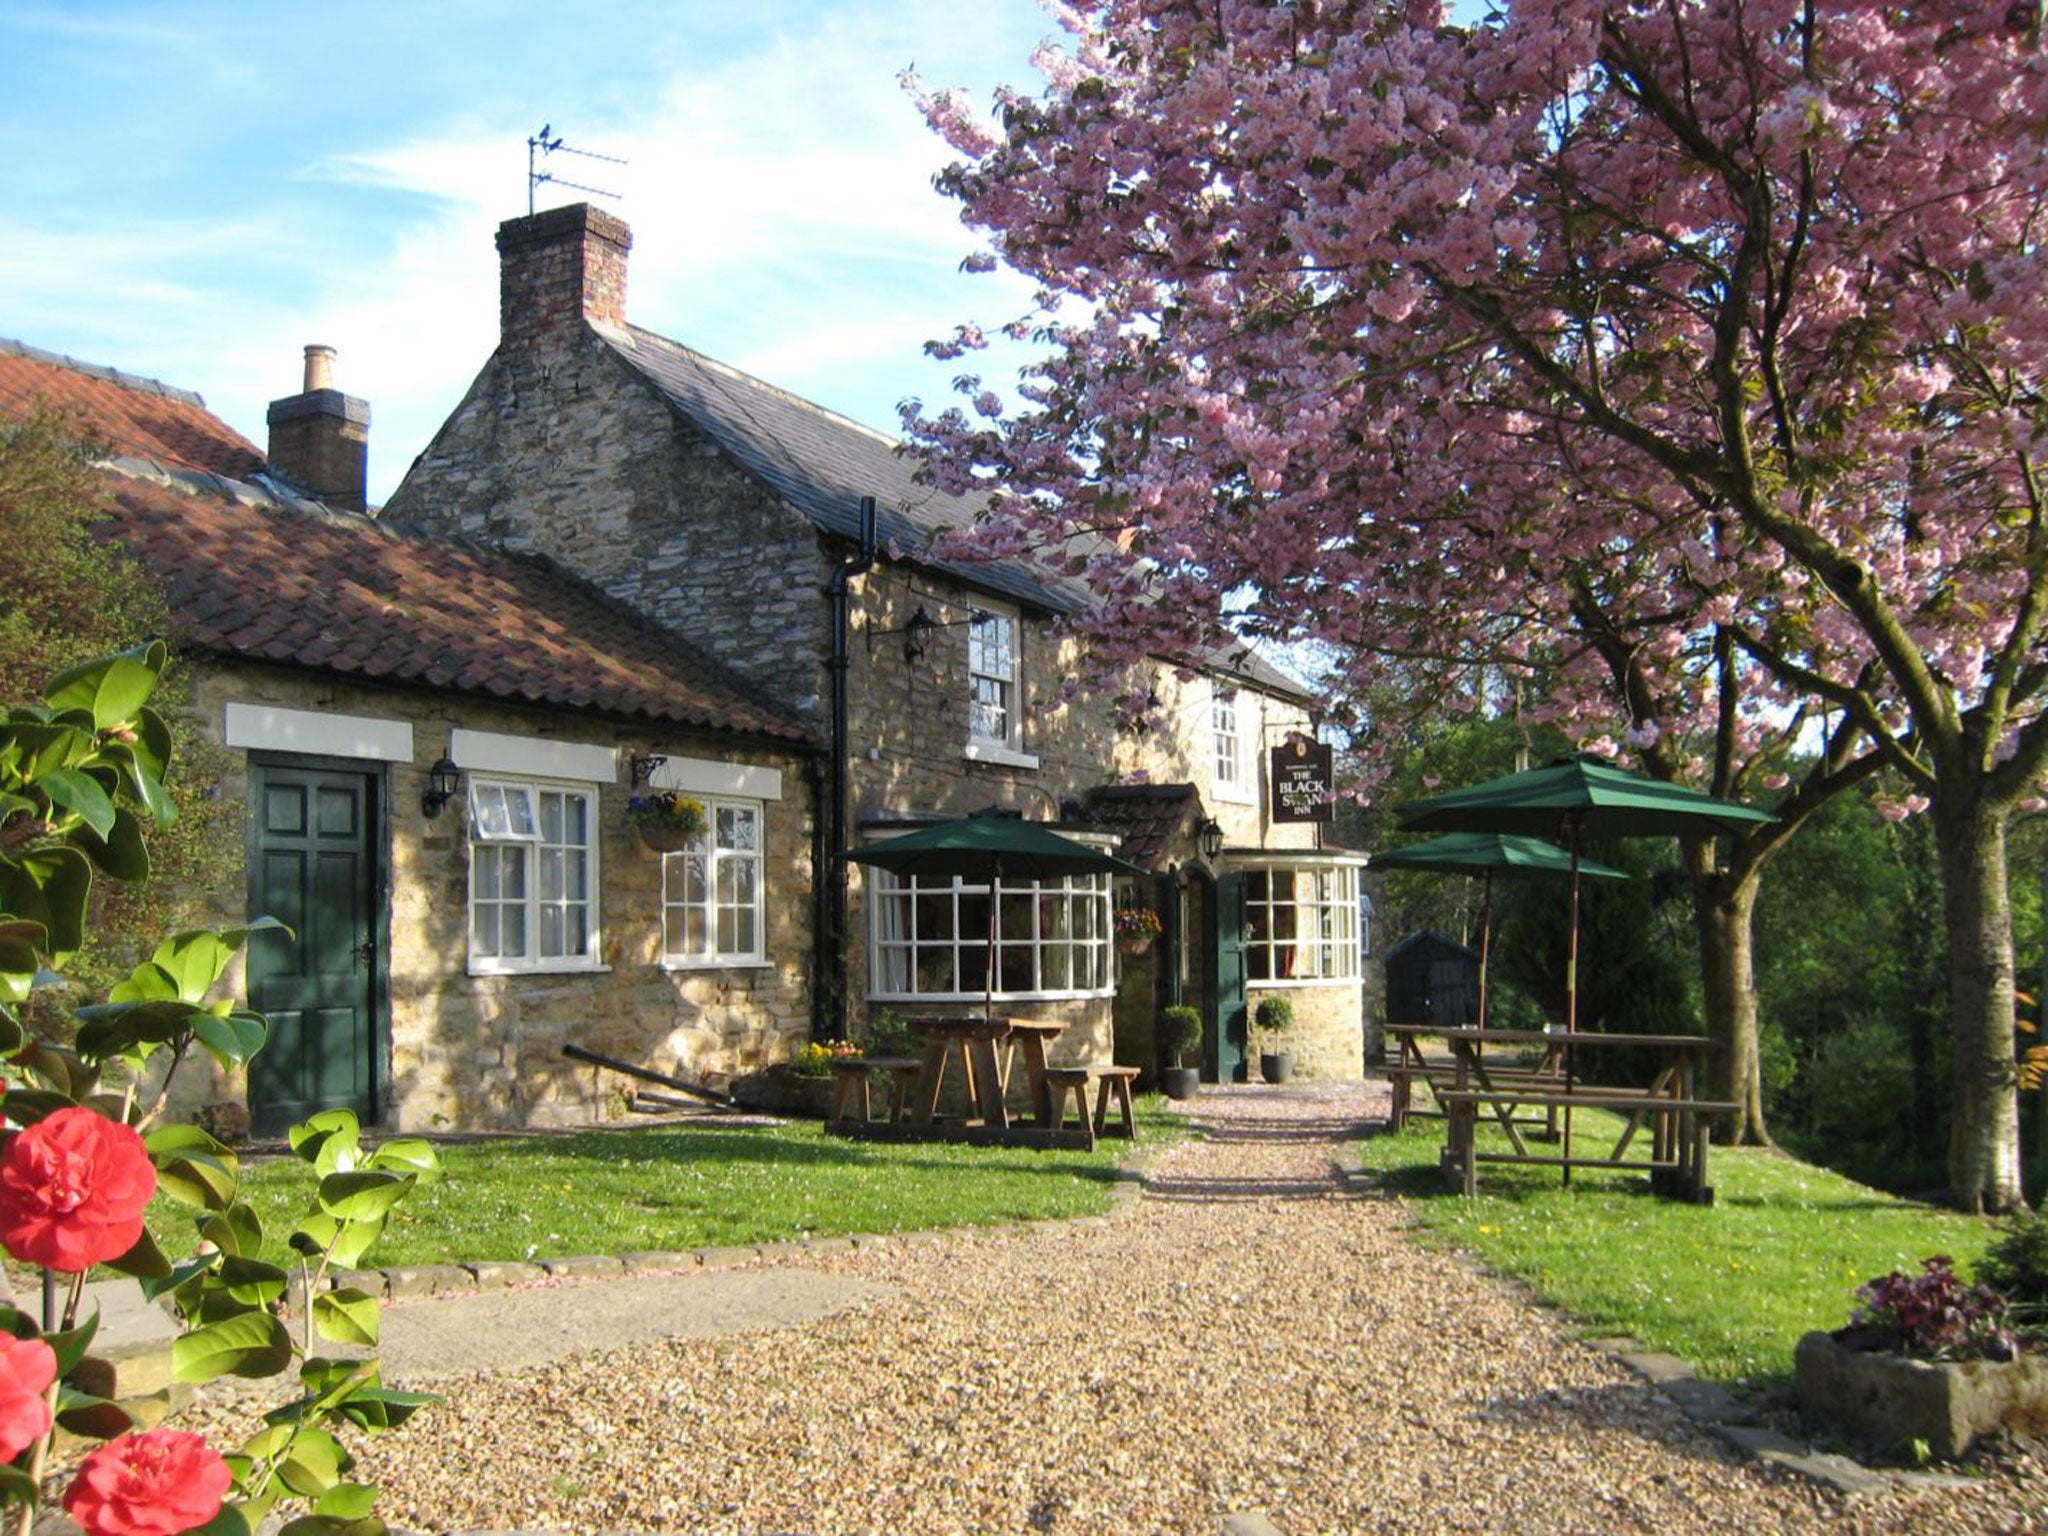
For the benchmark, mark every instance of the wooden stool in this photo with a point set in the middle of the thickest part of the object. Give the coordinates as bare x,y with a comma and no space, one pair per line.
851,1077
1115,1080
1061,1081
902,1072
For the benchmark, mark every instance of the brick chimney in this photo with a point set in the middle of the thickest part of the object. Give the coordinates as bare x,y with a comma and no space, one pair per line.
320,438
557,269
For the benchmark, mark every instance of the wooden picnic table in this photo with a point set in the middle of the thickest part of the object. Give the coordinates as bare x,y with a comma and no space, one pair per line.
1678,1119
983,1048
1412,1062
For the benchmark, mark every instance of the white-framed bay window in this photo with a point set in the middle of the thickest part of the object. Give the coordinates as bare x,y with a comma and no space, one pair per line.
928,939
713,892
532,875
1301,922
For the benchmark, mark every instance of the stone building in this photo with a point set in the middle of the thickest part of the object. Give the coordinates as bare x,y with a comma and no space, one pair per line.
451,937
795,547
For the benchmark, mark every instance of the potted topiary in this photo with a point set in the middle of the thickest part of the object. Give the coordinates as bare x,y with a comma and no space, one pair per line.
1275,1016
1180,1031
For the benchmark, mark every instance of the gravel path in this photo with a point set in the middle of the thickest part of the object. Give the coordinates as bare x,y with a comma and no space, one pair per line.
1248,1337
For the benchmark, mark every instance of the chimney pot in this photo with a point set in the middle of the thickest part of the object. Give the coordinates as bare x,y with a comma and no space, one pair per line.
320,438
319,367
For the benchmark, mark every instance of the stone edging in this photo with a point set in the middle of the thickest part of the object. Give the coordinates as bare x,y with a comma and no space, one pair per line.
1711,1406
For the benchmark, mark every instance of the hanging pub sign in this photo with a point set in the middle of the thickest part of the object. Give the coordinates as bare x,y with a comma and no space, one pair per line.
1304,781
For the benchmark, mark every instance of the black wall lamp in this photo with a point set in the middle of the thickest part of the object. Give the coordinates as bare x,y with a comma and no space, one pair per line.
444,783
1211,833
917,635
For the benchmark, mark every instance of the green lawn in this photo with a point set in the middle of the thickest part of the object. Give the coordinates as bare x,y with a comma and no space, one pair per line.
1729,1287
683,1186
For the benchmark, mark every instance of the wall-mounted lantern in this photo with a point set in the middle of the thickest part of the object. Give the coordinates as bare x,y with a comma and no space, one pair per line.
917,635
444,783
1212,838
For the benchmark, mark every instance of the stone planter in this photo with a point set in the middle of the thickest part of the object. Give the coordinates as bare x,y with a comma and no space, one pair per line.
1179,1082
1892,1401
1276,1066
784,1093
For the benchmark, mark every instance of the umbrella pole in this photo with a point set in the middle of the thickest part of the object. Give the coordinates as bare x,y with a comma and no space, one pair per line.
1571,998
1485,940
988,973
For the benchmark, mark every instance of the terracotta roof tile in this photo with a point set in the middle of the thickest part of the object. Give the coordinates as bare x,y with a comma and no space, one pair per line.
1147,818
138,417
257,573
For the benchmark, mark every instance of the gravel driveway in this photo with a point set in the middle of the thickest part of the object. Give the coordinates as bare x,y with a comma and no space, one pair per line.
1246,1338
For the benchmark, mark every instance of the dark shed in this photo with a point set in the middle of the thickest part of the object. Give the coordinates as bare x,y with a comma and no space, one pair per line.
1432,979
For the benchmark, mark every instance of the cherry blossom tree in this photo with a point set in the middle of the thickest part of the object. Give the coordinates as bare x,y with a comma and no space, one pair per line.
1690,349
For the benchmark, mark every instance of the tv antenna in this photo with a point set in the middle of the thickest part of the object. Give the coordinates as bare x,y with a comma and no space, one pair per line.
540,146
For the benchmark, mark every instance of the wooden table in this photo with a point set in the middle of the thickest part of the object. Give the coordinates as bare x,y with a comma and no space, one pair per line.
1679,1121
1411,1062
981,1051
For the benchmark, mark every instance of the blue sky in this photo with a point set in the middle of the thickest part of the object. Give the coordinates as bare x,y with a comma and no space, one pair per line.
197,190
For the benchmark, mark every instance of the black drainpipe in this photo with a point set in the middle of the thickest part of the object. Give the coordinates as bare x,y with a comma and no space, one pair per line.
829,1021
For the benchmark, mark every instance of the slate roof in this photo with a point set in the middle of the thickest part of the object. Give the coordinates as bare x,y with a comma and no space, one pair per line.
258,573
137,417
822,464
1145,817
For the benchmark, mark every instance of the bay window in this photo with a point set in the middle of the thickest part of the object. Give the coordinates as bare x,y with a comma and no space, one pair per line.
1301,923
928,939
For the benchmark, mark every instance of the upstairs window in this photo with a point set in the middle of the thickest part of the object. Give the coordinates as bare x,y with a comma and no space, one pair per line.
712,909
1230,713
532,876
992,680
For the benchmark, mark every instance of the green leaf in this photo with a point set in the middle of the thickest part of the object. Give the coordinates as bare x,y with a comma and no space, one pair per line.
346,1501
330,1140
346,1317
122,853
364,1195
144,1261
231,1521
197,1179
232,1040
313,1233
78,792
17,1487
21,958
250,1281
180,1138
49,886
112,688
253,1345
70,1344
93,1417
407,1155
380,1408
356,1238
238,1229
328,1525
314,1464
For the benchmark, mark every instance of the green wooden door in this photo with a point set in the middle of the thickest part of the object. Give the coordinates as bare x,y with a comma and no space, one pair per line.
313,866
1224,1029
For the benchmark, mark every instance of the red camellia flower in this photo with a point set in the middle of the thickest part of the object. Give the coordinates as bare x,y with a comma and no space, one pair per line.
27,1367
155,1483
72,1190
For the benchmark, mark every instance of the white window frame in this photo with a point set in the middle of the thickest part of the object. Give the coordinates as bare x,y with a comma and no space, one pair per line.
719,864
1301,924
1006,746
506,814
1234,727
1053,936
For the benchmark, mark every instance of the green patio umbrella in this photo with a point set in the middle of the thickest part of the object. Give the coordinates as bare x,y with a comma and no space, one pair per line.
1486,854
1571,799
991,846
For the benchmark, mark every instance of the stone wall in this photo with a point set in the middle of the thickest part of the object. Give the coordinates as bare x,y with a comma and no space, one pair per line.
486,1051
571,453
1328,1033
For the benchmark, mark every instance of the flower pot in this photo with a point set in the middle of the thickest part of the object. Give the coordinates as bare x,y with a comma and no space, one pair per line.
1276,1066
1899,1404
664,837
1133,946
1179,1082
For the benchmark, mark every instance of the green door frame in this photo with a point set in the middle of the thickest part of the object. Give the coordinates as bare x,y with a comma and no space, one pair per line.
1224,1029
369,917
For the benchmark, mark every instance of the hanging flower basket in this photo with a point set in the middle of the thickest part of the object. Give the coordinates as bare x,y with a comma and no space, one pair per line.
667,822
1135,928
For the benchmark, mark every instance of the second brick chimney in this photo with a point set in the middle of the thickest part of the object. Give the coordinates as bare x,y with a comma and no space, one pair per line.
320,438
557,269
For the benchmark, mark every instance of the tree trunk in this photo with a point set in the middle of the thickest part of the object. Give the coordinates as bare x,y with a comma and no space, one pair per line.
1724,907
1984,1142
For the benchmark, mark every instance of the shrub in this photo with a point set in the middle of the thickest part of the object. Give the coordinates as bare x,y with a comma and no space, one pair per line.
2016,1265
1933,1315
1180,1031
888,1035
1275,1015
